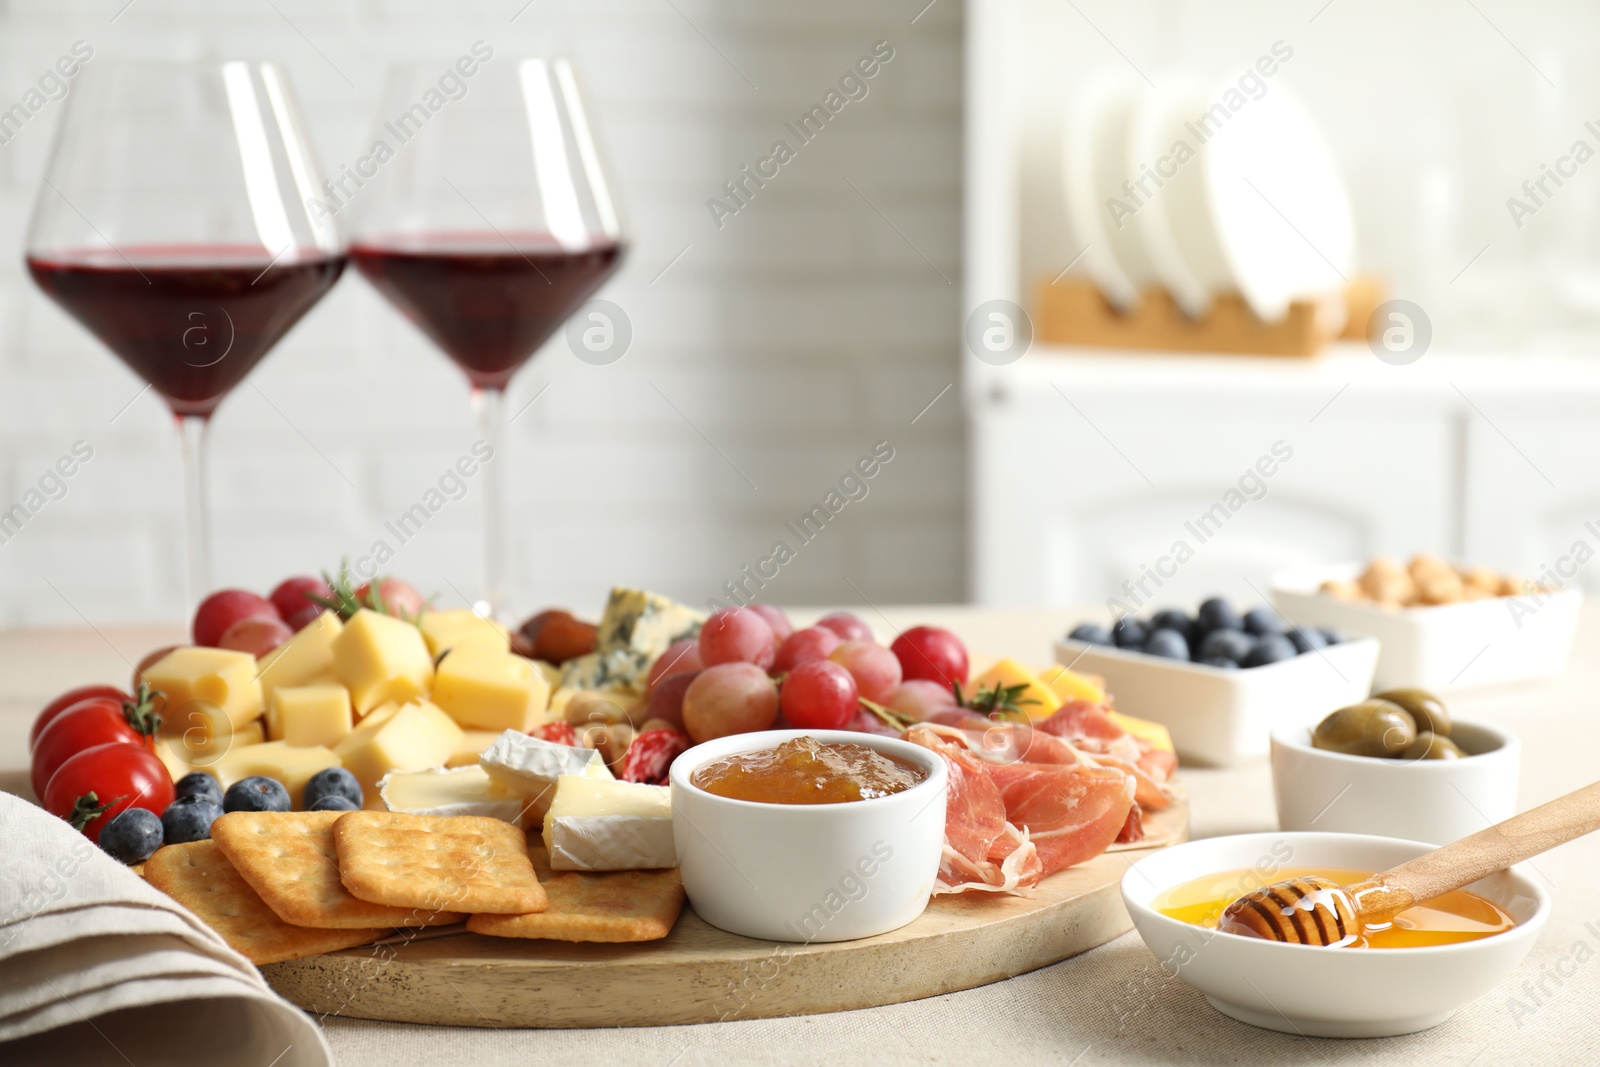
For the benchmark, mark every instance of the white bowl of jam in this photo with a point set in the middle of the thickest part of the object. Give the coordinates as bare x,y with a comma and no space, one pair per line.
1432,960
808,835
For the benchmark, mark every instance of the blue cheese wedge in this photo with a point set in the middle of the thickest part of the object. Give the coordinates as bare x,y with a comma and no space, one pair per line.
636,627
595,825
529,767
451,791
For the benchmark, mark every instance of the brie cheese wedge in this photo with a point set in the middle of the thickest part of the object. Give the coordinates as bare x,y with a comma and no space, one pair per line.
530,766
451,791
596,825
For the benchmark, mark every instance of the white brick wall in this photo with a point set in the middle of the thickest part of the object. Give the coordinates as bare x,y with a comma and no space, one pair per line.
793,338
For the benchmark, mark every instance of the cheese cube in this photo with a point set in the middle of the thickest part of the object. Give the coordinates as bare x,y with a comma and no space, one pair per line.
1036,698
381,658
1070,685
1158,736
175,764
408,739
304,659
453,791
251,733
273,759
444,727
472,744
195,678
596,825
444,630
491,690
531,766
311,714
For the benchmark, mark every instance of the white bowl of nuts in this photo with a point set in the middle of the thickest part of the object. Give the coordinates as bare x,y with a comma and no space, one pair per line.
1440,625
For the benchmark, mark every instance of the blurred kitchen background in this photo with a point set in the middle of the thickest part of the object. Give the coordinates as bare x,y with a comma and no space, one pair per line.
771,351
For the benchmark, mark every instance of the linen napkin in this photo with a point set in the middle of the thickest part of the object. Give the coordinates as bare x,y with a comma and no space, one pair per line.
98,967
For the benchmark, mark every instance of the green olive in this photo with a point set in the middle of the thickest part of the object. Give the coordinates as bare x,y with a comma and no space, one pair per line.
1430,745
1371,728
1426,709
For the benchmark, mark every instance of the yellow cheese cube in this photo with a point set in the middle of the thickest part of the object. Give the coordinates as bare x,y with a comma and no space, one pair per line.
471,746
174,763
444,727
251,733
304,659
460,629
1159,737
196,680
408,739
273,759
311,714
1070,685
491,690
381,658
1036,698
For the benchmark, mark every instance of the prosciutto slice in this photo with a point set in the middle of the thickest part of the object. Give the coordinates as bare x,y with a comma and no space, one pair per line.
1089,729
983,851
1072,812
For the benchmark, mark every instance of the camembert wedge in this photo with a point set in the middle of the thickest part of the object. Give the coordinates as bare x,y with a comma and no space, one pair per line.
450,791
598,825
531,767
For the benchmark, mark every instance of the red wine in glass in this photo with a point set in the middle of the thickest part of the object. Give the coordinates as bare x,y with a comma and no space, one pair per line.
487,299
192,320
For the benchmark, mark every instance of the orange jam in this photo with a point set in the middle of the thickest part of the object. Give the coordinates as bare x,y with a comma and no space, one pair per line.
1456,916
807,771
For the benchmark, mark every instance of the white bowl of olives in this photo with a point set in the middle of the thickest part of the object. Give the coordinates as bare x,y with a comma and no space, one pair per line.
1395,765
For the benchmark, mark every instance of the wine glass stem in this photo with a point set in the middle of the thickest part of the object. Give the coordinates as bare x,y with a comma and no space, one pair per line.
488,404
192,429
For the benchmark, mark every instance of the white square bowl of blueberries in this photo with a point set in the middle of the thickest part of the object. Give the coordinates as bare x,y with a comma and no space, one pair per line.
1220,680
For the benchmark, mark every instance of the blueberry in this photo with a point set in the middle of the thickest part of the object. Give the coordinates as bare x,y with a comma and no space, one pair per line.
256,793
1332,636
333,782
1307,639
1217,614
1167,643
199,784
1271,648
333,802
1233,645
1173,619
189,818
1263,620
1129,633
1222,662
132,836
1091,633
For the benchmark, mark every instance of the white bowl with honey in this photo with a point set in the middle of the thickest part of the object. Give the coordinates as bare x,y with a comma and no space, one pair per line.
1414,974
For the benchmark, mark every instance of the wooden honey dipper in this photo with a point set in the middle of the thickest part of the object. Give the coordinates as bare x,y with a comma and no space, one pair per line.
1316,911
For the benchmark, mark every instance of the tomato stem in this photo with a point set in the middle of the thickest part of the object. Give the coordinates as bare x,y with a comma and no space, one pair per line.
88,808
140,711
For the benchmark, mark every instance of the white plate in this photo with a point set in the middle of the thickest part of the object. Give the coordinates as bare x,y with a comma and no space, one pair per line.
1094,165
1193,275
1481,642
1219,716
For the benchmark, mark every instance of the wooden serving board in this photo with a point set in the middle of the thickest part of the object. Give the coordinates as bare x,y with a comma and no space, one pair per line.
701,974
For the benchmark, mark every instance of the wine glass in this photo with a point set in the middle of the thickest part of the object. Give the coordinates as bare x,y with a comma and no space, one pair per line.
481,211
177,222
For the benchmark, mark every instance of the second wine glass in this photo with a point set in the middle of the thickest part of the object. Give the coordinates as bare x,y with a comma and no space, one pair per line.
483,214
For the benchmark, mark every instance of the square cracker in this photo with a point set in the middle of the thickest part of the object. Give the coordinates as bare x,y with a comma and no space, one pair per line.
198,876
610,906
461,862
290,860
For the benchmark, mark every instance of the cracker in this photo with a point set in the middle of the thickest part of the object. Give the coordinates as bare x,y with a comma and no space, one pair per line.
198,876
610,906
290,860
461,862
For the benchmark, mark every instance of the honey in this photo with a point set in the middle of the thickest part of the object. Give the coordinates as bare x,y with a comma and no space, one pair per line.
807,771
1455,917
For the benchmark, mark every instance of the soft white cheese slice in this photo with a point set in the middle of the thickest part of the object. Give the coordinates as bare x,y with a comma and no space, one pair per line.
451,791
530,766
596,825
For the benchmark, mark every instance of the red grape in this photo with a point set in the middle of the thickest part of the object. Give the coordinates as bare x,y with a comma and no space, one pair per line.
776,618
920,699
730,698
737,635
927,652
666,699
680,656
293,597
847,626
304,617
820,695
876,671
255,636
222,609
400,597
803,646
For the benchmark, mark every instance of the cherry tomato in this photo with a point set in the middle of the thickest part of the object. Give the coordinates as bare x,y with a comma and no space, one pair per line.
94,786
931,654
96,721
65,701
225,607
